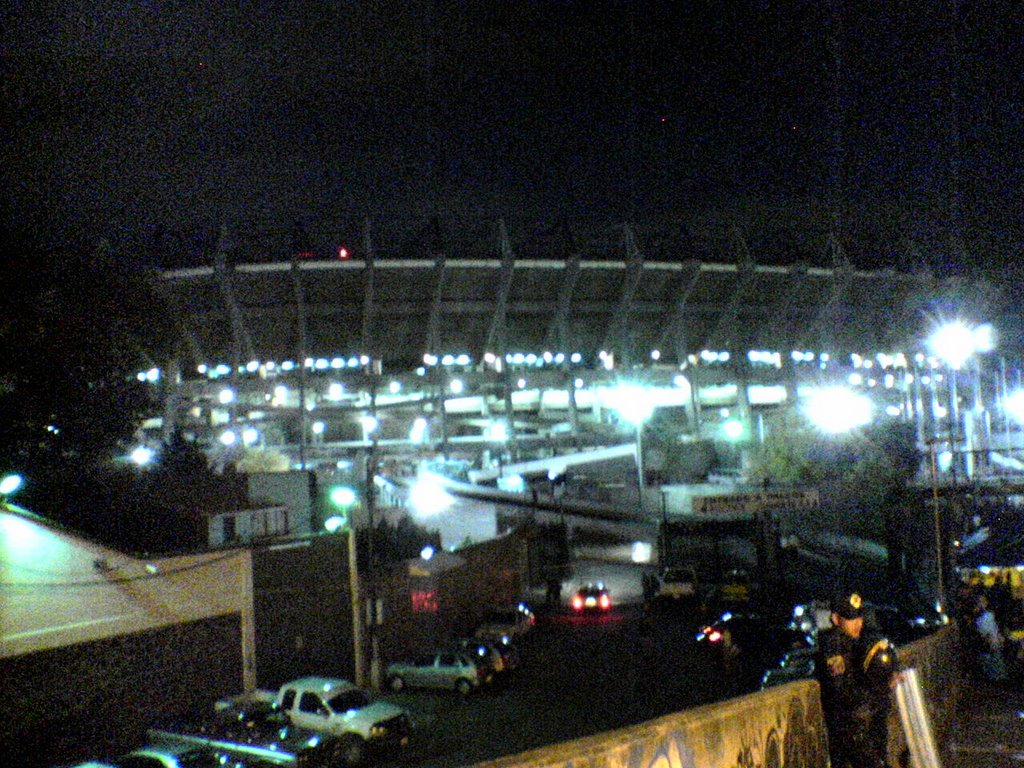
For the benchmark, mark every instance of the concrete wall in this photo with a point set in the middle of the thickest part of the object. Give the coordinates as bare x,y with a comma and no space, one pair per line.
782,726
778,727
88,634
97,698
58,588
303,610
937,659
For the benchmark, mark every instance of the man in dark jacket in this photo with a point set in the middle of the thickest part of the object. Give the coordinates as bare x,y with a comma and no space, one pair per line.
855,674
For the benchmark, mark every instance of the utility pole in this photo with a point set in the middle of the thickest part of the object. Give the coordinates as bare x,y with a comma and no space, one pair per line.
371,472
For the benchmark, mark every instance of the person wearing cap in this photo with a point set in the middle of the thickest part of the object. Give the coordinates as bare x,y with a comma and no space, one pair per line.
854,698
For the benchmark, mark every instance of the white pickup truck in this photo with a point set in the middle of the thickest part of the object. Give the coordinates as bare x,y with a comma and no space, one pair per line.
336,707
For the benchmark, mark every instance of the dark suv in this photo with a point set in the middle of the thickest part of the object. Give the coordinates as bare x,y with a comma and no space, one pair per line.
485,653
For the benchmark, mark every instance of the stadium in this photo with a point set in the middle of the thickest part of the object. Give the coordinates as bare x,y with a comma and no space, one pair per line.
493,344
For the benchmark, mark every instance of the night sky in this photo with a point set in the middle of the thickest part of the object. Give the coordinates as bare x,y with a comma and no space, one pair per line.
139,117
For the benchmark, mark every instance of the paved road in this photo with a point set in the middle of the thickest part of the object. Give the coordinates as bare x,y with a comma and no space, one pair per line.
586,675
580,675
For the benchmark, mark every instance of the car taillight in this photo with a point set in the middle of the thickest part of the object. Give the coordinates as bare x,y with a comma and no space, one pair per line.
714,636
606,602
577,603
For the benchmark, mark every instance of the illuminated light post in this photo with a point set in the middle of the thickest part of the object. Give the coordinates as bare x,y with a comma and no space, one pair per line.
141,455
428,496
344,499
633,403
9,485
955,344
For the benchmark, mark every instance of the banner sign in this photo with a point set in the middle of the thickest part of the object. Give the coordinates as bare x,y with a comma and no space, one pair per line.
752,503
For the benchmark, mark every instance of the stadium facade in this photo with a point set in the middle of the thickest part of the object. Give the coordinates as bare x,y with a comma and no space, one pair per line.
317,358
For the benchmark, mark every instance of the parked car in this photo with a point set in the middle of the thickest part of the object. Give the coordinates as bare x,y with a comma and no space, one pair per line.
442,669
258,733
749,643
900,625
503,647
338,708
172,756
485,653
591,598
506,625
795,664
735,589
678,585
897,624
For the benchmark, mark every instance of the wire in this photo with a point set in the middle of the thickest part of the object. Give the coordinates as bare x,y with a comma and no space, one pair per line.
116,579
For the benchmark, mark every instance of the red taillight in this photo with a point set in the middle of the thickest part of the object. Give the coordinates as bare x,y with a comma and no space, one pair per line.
715,636
605,602
577,603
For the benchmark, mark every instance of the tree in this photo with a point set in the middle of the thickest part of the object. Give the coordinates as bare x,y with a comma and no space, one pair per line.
77,328
860,474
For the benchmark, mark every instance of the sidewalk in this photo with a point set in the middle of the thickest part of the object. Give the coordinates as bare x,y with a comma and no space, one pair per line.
989,729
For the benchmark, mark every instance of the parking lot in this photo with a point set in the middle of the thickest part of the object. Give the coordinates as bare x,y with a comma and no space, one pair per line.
580,675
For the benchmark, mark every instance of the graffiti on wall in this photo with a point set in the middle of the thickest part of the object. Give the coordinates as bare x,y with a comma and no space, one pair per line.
779,728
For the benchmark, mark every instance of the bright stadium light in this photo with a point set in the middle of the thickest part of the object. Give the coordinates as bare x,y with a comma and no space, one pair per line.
733,429
633,403
428,495
418,433
1014,406
342,496
956,342
497,431
837,409
141,455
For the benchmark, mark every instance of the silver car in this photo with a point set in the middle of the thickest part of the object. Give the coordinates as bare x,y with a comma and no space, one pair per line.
452,670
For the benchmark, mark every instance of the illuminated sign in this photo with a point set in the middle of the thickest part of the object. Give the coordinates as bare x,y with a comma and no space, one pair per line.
424,601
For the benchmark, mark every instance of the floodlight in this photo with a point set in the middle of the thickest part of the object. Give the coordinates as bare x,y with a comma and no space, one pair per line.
837,409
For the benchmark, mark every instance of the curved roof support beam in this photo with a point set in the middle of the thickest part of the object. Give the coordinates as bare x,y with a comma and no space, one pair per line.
674,325
911,302
786,312
183,320
433,341
300,326
496,334
616,337
842,276
366,344
242,339
558,332
745,276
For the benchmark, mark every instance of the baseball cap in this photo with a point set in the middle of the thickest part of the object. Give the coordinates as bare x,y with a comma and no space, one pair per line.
849,605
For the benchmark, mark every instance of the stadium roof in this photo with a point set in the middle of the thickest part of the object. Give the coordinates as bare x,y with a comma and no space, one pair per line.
619,301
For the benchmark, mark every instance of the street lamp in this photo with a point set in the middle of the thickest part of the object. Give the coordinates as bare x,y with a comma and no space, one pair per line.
633,403
955,344
343,499
428,496
9,484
